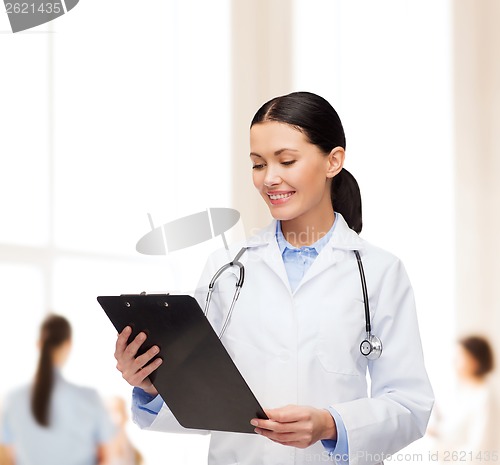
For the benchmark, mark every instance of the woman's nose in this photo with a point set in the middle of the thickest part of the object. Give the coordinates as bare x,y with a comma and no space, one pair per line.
272,178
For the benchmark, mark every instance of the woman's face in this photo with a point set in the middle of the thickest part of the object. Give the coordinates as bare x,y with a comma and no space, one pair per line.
466,365
292,175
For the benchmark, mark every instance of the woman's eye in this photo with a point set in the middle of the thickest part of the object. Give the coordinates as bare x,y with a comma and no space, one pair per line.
287,163
257,167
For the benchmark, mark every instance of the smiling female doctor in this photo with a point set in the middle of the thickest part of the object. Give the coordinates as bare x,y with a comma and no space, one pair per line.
296,329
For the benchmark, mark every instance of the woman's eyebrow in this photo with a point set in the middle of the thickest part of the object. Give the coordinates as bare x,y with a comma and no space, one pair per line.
278,152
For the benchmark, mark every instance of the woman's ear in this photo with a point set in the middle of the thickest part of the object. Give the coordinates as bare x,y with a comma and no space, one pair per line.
335,162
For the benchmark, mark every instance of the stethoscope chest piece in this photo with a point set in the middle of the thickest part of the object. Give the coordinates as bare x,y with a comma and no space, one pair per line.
371,347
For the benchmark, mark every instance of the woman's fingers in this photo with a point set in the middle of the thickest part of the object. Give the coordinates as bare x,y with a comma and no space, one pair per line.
138,378
297,426
127,352
132,349
146,357
281,438
121,341
135,370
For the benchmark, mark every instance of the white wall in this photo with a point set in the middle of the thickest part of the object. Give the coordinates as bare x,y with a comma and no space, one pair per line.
477,170
110,112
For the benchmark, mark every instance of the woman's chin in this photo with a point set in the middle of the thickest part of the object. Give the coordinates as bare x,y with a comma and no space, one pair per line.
281,216
280,212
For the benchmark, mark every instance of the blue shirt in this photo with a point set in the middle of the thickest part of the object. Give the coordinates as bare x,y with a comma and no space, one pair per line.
79,424
298,260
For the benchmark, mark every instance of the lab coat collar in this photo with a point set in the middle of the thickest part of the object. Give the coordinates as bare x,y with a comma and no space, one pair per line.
264,243
342,238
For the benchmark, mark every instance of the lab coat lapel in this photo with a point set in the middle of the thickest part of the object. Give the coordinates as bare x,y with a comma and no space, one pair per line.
265,246
343,239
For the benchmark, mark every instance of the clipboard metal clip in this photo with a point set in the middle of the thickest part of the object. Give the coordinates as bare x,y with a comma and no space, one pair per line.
143,293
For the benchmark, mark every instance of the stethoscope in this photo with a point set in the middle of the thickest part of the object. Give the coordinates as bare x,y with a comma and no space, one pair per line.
370,347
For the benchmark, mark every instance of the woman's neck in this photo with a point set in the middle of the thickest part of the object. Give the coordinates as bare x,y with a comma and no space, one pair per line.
305,230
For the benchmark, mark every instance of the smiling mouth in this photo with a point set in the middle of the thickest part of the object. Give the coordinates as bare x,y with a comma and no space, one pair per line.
280,196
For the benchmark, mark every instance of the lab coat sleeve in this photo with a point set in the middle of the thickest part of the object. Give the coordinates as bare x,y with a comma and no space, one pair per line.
401,399
164,421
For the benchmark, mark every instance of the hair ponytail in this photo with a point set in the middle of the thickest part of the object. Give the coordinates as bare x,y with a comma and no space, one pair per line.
346,199
319,122
54,332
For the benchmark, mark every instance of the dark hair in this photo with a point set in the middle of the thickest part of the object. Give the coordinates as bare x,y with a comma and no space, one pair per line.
54,332
479,348
319,122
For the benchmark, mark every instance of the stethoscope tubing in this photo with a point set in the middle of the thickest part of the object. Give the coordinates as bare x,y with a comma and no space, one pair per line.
375,346
365,292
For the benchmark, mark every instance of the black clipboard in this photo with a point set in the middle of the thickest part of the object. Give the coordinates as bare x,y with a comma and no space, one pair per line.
198,380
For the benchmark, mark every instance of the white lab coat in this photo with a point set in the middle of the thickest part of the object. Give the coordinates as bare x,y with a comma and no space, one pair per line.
303,348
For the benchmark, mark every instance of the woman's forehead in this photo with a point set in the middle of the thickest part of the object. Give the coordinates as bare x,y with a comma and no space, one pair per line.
274,136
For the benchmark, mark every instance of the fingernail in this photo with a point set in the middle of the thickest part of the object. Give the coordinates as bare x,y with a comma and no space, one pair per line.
257,431
254,423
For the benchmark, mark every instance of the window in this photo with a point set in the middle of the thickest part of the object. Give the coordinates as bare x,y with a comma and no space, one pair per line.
103,121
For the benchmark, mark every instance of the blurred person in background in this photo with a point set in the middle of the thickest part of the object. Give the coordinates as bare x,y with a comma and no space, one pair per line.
463,428
51,421
122,451
4,459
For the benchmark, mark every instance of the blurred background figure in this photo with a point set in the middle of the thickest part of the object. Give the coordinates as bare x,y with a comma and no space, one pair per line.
51,421
121,450
4,459
463,426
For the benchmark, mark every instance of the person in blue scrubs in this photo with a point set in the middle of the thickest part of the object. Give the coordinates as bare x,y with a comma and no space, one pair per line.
52,421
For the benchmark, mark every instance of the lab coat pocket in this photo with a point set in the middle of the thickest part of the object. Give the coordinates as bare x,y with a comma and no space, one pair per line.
339,337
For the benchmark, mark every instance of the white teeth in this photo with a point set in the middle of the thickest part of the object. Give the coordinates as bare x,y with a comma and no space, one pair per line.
280,196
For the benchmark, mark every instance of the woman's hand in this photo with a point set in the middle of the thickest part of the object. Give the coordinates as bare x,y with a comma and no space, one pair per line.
133,368
296,426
